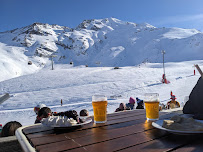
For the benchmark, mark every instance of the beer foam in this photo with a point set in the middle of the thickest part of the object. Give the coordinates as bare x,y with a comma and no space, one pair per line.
96,98
151,97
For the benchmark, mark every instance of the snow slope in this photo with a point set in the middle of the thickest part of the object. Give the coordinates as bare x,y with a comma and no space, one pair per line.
76,85
105,42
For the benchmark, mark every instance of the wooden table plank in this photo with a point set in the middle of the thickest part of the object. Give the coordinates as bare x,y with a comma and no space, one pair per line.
119,128
122,124
130,117
112,116
52,132
101,135
61,137
194,146
40,134
108,145
167,143
78,133
124,142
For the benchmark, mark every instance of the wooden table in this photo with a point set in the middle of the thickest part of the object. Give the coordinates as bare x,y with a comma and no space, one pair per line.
124,131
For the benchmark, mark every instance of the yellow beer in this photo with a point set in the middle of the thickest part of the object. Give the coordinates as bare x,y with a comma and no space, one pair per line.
151,102
152,110
99,108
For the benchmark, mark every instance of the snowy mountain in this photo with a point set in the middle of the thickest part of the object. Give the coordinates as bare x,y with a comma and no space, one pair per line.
98,42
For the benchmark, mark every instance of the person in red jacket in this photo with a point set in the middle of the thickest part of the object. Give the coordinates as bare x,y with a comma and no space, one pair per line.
173,103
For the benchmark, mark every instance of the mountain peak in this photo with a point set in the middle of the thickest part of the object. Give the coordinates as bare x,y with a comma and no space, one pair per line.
110,23
96,24
145,25
105,42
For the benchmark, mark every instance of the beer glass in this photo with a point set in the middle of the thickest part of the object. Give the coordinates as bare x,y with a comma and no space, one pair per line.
99,103
151,101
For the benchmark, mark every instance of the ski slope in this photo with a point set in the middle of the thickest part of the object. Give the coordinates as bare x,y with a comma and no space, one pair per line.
76,85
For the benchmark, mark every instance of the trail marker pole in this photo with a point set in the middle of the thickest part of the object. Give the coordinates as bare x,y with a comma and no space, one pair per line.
194,69
163,52
164,76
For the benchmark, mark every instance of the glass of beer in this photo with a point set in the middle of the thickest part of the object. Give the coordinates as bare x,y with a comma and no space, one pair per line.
151,101
99,103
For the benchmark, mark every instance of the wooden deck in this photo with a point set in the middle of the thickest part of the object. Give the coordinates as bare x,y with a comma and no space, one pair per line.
124,131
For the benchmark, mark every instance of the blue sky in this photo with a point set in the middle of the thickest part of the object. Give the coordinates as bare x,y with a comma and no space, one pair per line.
70,13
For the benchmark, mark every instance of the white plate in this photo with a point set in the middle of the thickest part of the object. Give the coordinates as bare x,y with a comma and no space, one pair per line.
88,120
158,124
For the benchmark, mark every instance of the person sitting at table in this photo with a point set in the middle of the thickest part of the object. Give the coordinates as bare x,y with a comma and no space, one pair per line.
173,103
44,112
131,104
83,115
140,103
194,104
84,112
10,128
121,107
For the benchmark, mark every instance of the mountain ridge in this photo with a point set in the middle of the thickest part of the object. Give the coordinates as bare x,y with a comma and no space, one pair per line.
98,42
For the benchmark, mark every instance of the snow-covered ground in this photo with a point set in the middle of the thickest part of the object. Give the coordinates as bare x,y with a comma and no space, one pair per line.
76,85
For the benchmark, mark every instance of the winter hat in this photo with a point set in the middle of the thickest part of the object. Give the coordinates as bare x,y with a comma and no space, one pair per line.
122,106
41,105
138,100
132,100
38,107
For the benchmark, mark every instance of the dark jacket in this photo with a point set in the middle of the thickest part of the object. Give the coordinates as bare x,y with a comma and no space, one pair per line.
140,104
195,103
129,106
